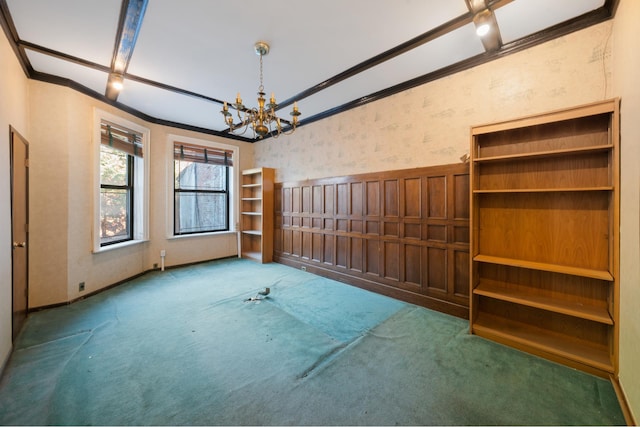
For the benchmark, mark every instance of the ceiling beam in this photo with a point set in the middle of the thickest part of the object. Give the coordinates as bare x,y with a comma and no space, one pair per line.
604,13
131,15
418,41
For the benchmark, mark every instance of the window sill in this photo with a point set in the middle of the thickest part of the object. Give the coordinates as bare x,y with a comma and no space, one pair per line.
213,233
118,246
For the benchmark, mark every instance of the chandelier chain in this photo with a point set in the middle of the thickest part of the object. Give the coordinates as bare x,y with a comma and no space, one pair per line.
261,87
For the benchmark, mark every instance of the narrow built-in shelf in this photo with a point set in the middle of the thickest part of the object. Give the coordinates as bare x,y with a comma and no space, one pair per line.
544,190
548,303
550,153
554,268
256,215
569,347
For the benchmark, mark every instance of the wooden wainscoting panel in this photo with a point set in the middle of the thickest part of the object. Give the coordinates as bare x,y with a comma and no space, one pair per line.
373,255
317,247
437,200
307,245
329,252
356,263
413,266
296,238
459,275
391,257
342,251
436,269
402,233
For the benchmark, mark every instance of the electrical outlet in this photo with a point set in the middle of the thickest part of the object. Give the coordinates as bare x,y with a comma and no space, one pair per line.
303,268
81,286
162,253
155,265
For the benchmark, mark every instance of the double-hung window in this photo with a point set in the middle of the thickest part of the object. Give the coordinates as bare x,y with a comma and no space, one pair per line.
121,182
118,151
202,188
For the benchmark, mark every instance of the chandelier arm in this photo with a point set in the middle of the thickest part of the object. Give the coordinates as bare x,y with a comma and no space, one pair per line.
244,123
234,130
280,130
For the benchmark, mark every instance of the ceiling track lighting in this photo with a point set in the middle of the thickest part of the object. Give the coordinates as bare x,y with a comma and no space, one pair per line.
486,25
114,85
263,119
116,81
482,21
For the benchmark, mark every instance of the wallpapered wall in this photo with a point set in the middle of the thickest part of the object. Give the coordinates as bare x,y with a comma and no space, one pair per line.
13,112
429,125
62,195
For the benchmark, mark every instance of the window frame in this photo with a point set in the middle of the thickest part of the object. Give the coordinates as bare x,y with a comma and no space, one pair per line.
226,192
140,182
130,188
234,179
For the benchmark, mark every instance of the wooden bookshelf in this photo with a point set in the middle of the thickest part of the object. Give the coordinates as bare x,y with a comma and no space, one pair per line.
544,235
256,212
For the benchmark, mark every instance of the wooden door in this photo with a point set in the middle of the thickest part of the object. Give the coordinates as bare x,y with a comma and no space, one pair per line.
20,229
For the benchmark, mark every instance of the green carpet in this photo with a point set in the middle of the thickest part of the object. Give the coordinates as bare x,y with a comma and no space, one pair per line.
184,347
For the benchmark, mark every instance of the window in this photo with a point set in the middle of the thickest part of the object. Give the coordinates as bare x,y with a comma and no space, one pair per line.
121,182
201,188
116,195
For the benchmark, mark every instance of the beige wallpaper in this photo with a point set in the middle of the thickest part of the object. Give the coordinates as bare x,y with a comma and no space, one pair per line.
13,112
429,125
61,201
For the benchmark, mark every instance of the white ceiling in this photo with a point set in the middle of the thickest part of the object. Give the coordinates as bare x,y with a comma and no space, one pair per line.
190,54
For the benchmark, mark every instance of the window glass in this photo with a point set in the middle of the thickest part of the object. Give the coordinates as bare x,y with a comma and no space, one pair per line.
201,197
113,166
116,195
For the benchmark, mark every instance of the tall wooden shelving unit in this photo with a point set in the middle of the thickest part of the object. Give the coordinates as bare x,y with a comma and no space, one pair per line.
544,235
256,226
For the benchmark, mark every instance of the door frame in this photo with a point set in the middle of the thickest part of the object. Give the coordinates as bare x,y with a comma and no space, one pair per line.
15,136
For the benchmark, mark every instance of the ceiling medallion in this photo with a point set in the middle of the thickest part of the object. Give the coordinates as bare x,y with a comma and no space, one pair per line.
263,120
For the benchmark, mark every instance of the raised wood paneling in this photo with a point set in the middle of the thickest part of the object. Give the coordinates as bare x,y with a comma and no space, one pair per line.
437,268
401,233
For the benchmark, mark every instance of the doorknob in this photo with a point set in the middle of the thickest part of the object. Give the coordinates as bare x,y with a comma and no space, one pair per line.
19,245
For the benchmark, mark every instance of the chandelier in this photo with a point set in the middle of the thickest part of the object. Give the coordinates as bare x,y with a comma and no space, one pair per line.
262,120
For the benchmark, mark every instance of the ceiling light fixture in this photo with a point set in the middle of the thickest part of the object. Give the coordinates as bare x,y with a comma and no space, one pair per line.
114,86
486,27
483,22
263,120
117,81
